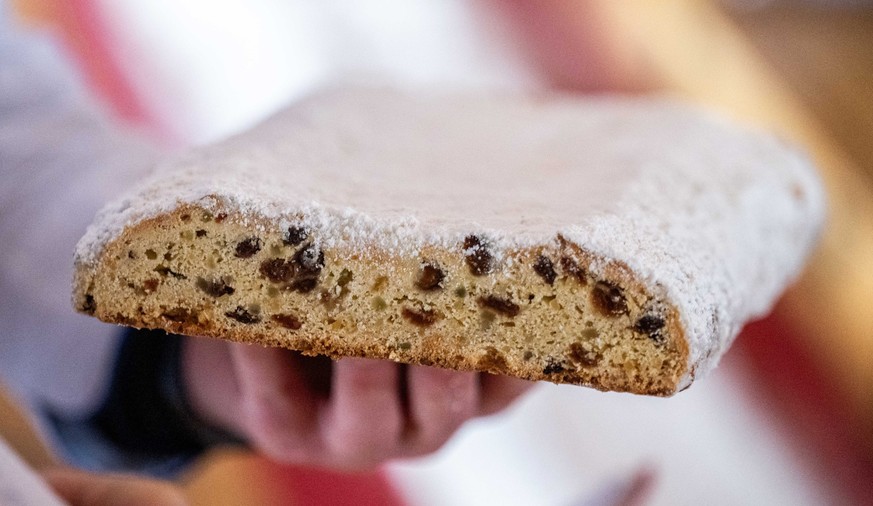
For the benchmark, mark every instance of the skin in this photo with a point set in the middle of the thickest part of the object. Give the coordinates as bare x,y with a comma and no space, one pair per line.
371,411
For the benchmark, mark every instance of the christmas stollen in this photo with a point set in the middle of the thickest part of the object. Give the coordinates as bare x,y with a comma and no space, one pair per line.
619,243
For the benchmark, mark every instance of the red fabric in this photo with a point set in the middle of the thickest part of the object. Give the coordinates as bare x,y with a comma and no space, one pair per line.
95,49
316,487
794,387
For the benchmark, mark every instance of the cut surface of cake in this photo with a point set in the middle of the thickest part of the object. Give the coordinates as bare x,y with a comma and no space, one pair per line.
619,243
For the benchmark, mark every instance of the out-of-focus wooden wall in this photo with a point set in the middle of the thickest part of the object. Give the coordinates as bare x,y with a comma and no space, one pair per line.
825,56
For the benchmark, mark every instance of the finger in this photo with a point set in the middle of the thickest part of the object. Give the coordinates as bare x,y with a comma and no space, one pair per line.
500,391
209,394
365,417
440,400
279,409
80,488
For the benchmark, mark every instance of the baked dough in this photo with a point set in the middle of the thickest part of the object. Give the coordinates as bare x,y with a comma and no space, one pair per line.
619,243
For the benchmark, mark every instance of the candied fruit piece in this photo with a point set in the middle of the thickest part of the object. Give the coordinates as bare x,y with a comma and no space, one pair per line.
345,277
379,303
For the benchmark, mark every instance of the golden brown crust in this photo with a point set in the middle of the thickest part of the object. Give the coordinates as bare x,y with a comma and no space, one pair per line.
542,314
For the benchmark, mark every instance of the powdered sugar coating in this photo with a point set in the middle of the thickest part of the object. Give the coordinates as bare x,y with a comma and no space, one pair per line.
716,218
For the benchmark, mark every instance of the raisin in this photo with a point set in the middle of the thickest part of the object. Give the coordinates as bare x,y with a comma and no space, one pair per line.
492,361
214,288
478,257
243,315
499,304
609,299
553,366
200,233
430,278
248,247
289,321
545,268
309,260
651,325
90,305
420,317
277,270
150,285
572,269
163,270
579,355
220,217
304,285
295,236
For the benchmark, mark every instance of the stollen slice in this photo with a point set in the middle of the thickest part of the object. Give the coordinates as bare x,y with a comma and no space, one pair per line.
618,243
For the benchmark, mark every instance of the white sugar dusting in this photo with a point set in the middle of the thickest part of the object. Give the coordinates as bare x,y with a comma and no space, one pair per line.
717,218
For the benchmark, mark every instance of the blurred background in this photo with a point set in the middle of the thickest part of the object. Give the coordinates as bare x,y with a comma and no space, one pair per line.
788,416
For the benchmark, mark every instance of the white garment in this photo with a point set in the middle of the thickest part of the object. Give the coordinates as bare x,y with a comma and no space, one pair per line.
60,160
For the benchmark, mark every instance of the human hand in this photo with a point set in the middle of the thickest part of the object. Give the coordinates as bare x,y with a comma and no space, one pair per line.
348,414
